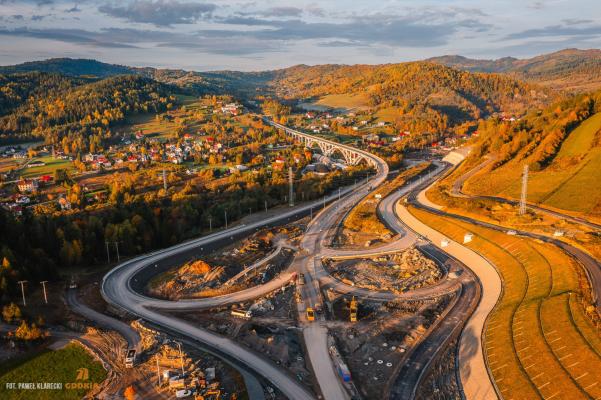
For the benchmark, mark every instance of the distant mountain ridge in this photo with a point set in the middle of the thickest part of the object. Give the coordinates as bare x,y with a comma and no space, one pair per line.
70,66
570,69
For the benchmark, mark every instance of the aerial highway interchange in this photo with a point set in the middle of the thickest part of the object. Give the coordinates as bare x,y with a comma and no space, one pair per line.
467,274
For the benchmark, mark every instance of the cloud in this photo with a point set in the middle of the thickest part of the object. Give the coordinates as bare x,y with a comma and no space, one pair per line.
76,36
38,17
74,9
139,38
160,12
315,10
282,12
557,31
341,43
417,30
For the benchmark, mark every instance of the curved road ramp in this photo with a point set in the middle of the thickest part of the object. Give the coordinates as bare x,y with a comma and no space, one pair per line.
120,288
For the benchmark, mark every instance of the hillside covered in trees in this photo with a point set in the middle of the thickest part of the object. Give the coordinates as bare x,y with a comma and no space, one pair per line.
571,69
562,147
70,111
418,89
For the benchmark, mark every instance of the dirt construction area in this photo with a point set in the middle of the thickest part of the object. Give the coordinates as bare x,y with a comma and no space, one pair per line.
230,269
375,347
397,273
270,329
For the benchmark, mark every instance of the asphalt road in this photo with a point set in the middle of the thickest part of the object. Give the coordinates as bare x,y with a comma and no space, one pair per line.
591,266
121,287
129,334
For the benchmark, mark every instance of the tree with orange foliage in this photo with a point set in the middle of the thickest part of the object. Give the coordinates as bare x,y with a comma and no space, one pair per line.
130,393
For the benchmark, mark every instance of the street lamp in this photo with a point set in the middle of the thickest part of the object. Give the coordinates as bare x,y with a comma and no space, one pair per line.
44,287
23,291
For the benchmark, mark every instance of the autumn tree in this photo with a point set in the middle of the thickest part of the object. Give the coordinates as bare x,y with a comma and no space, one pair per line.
129,393
11,312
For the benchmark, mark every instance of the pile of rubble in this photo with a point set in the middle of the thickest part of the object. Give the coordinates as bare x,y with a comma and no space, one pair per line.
396,273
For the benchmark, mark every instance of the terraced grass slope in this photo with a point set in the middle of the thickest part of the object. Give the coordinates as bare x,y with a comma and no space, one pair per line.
571,182
538,342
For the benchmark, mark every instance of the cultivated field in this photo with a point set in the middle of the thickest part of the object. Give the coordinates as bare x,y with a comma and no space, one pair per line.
538,342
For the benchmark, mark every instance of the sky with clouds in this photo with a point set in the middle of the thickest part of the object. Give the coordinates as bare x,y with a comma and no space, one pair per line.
257,35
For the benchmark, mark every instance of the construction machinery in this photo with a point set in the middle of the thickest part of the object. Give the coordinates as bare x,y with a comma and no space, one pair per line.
353,308
206,396
310,314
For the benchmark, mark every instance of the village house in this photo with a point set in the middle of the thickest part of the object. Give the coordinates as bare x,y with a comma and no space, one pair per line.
27,185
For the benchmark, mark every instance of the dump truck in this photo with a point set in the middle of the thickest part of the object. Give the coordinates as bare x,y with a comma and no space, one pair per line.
130,358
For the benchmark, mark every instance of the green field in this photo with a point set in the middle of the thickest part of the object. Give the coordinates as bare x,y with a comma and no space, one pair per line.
59,366
48,169
539,344
570,183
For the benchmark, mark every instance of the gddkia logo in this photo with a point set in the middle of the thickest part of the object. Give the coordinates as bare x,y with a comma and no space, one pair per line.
81,377
82,374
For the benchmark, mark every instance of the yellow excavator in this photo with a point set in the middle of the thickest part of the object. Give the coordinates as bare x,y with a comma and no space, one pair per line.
353,307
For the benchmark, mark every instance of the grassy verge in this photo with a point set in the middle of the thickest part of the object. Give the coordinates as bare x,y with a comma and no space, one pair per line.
569,183
60,366
536,346
507,215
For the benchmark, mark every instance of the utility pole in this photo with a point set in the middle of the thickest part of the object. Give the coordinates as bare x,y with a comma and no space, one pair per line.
117,247
44,288
164,179
210,224
158,370
291,186
225,214
23,291
265,205
108,256
181,356
524,193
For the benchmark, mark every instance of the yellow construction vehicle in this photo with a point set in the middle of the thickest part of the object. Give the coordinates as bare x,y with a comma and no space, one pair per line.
353,307
215,393
310,314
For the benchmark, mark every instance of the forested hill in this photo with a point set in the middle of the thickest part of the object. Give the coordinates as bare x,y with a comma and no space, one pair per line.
571,69
69,67
437,96
198,82
73,111
18,88
412,82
